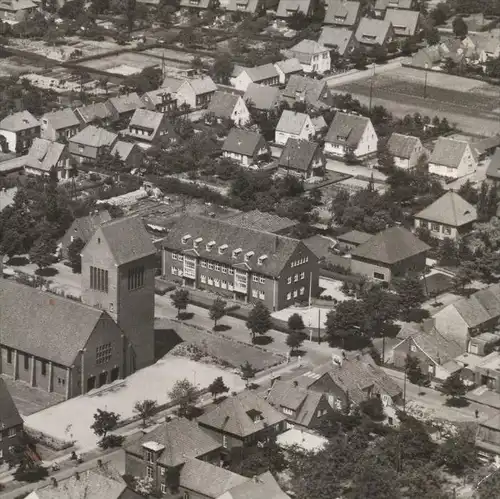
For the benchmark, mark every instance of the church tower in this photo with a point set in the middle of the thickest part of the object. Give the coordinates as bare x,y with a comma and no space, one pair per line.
118,275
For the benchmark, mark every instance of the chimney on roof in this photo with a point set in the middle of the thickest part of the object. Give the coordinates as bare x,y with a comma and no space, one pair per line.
428,325
54,482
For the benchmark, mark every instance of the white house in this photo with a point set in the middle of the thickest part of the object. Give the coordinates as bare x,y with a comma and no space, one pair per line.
452,158
313,57
293,125
196,92
19,130
262,75
406,150
287,68
229,106
246,147
350,133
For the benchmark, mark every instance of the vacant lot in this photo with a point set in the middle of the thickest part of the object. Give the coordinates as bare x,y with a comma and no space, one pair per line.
136,62
472,105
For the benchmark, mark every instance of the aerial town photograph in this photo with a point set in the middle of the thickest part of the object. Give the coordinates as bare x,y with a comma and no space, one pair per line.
250,249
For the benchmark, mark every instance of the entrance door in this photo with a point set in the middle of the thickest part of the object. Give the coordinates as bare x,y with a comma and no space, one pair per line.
115,373
103,378
90,383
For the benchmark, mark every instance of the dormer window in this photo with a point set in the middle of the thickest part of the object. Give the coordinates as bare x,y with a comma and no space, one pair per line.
197,242
261,259
255,415
222,249
249,255
185,238
236,252
210,245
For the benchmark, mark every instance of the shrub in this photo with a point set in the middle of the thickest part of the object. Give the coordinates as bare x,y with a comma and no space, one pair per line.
417,315
111,441
31,475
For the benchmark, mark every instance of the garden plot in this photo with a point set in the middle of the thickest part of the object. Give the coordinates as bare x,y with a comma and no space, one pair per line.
126,63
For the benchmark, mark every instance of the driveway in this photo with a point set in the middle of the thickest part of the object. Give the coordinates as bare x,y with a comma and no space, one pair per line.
336,165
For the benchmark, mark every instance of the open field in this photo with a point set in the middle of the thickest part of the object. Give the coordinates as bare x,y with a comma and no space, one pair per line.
17,65
119,63
472,105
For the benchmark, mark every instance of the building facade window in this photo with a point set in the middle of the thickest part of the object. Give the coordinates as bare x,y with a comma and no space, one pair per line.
224,441
289,296
254,293
289,280
302,275
255,278
204,264
378,275
210,266
98,279
26,362
203,279
149,471
135,278
262,280
9,356
11,432
103,354
44,367
302,290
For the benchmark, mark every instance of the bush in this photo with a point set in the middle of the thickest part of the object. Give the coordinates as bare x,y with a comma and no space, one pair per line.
111,441
417,315
31,475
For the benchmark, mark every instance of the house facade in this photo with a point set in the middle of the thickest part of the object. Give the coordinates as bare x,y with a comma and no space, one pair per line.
160,100
246,147
87,145
313,57
287,68
20,130
405,150
266,75
59,125
293,125
240,263
11,432
342,40
229,106
196,93
45,157
151,127
452,158
303,159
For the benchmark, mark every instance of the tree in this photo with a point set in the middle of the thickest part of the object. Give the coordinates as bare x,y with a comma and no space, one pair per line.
465,274
180,299
432,36
269,457
197,63
468,192
295,322
411,293
247,372
373,408
222,68
42,252
440,13
447,252
186,395
217,310
413,371
344,325
74,255
146,409
259,320
297,21
458,453
217,387
295,339
375,481
104,422
454,389
489,487
460,28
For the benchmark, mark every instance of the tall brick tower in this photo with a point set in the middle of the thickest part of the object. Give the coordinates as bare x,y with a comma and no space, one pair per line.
118,276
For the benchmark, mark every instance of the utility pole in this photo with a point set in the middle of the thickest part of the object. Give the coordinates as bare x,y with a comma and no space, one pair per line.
319,326
425,80
371,88
404,392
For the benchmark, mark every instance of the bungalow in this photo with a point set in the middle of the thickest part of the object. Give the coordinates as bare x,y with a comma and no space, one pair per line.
287,8
230,107
126,105
102,112
303,159
341,40
287,68
161,100
302,407
245,147
19,130
246,6
90,143
315,93
45,156
351,133
266,74
196,92
11,428
342,13
391,253
313,57
150,127
405,23
448,217
374,32
405,149
262,97
382,5
16,10
58,125
293,125
452,158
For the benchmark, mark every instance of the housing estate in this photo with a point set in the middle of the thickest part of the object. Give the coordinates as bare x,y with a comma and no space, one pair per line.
20,130
102,112
266,74
195,92
246,147
293,125
59,125
374,32
238,262
391,253
161,100
302,158
405,23
450,216
314,93
406,150
313,57
342,13
90,143
45,157
124,106
452,158
339,39
287,8
382,5
151,127
11,423
230,107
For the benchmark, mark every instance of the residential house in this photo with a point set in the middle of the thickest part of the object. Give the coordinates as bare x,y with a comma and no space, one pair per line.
487,45
349,380
352,239
342,13
381,6
287,8
405,23
314,93
230,107
247,6
246,147
14,11
151,127
287,68
313,57
264,221
102,112
302,407
131,154
374,32
262,75
83,228
293,125
302,158
95,483
262,97
470,316
238,262
196,4
391,253
488,436
435,352
487,371
59,125
161,100
452,158
406,150
320,126
19,130
450,217
351,134
261,486
45,156
243,420
342,40
427,57
88,144
196,92
11,423
125,105
486,147
493,170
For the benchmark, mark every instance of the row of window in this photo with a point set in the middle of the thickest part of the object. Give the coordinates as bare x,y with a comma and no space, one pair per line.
43,363
98,279
296,263
434,227
218,283
296,293
296,278
135,278
11,433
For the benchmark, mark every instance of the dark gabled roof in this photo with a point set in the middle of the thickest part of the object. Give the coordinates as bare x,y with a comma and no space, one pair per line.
127,239
448,152
183,440
403,19
332,36
493,170
243,142
248,6
45,325
347,129
305,50
44,154
400,4
263,97
223,104
390,246
402,146
277,249
63,118
88,224
298,154
263,221
341,12
96,110
289,66
94,136
449,209
9,415
127,102
231,415
355,236
292,122
309,89
263,486
372,31
19,121
286,6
